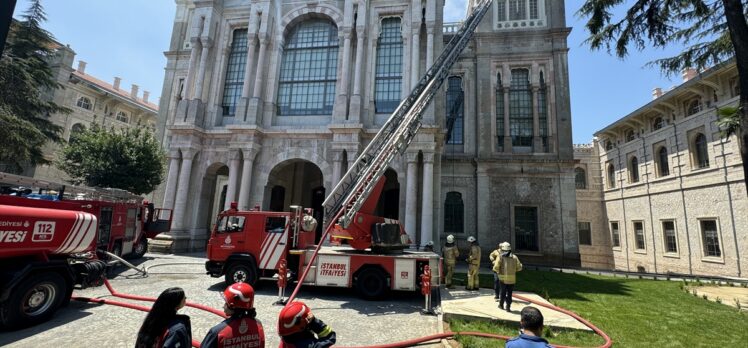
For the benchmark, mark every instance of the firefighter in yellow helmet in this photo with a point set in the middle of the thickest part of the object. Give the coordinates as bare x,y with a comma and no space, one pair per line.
451,253
473,264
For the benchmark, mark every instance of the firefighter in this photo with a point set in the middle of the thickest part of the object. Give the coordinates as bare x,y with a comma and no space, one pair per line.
473,260
451,253
299,328
163,327
506,266
241,327
492,257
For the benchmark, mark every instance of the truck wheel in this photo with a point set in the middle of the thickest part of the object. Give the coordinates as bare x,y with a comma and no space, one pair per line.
371,284
242,273
33,301
139,249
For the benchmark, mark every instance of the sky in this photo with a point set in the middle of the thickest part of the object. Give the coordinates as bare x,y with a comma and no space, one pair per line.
127,39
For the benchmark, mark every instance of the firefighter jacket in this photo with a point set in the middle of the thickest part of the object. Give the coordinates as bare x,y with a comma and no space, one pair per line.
474,256
494,255
236,331
451,253
507,266
177,335
317,335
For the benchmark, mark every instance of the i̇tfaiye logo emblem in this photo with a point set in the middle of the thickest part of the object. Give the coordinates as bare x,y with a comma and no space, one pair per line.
243,327
227,240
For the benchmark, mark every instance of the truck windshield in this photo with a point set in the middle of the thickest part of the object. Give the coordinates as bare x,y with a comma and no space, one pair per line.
275,224
231,224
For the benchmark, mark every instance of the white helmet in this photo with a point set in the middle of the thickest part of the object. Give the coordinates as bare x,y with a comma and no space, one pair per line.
430,243
471,239
450,239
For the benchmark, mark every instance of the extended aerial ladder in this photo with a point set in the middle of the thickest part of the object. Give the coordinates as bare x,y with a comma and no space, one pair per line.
345,200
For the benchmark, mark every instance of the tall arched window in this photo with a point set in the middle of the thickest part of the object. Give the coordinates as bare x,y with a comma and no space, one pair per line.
611,176
663,166
499,113
84,103
580,178
309,69
634,168
543,112
694,106
389,69
453,213
700,147
520,108
630,135
232,87
455,110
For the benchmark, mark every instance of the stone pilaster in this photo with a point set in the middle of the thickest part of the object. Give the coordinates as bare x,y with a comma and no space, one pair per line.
233,178
427,204
246,182
411,195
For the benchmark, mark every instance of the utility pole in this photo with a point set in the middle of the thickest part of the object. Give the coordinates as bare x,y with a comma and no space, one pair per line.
6,16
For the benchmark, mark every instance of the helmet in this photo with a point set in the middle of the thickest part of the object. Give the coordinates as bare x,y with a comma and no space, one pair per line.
471,239
430,243
505,246
292,318
450,239
239,295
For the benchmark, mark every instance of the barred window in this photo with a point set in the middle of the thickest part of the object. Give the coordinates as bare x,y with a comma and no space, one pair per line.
580,178
702,154
517,10
693,107
84,103
455,110
662,162
658,123
389,68
639,235
533,9
499,112
501,11
668,231
309,69
526,228
611,176
615,234
237,63
710,238
454,210
634,168
585,233
520,108
630,135
543,112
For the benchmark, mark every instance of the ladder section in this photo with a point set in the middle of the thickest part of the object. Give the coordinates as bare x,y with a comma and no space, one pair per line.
399,130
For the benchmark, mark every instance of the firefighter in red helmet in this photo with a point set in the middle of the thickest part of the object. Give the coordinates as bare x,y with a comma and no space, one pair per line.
298,328
241,328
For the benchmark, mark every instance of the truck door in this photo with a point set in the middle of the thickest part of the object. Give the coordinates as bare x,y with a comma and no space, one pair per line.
130,230
105,228
229,238
274,241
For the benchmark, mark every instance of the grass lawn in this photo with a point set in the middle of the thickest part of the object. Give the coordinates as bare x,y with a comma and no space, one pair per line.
633,312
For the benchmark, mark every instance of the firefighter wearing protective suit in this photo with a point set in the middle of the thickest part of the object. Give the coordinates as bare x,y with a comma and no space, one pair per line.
473,260
451,253
506,267
241,329
298,328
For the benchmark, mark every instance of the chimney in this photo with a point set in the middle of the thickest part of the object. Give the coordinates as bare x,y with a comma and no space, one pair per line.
117,80
134,92
82,67
689,73
146,94
656,93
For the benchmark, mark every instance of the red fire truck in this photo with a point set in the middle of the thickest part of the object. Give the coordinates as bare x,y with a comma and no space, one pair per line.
247,245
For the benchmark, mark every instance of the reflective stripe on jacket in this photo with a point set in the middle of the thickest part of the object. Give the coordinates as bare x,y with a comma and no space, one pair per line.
507,267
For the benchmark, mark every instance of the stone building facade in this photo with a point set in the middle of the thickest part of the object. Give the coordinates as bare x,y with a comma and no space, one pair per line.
672,187
90,100
266,103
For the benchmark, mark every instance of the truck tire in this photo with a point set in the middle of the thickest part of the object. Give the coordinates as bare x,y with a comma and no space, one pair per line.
33,301
241,272
371,284
140,249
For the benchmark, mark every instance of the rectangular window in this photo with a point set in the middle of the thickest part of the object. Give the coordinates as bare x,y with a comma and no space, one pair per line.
615,234
526,228
585,233
231,224
671,242
533,9
389,67
501,7
455,110
639,235
710,238
520,108
237,63
517,10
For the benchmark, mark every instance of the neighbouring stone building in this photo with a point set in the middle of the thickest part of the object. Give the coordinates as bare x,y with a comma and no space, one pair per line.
671,187
89,100
266,103
594,242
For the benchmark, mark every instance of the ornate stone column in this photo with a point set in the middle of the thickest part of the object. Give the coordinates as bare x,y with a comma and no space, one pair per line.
427,204
171,179
411,195
195,42
341,102
206,43
250,64
337,165
257,93
233,178
246,182
429,45
180,204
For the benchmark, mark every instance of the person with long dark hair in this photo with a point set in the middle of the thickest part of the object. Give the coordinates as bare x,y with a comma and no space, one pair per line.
241,328
163,327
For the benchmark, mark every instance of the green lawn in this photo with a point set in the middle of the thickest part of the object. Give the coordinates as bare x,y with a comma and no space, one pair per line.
633,312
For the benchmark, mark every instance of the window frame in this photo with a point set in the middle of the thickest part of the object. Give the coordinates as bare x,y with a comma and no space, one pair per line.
121,114
610,173
386,101
637,249
461,206
702,242
236,65
577,172
460,118
633,170
589,231
84,100
658,123
537,232
521,107
663,162
615,234
700,152
665,242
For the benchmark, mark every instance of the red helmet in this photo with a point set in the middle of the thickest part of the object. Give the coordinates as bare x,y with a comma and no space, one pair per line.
292,318
239,295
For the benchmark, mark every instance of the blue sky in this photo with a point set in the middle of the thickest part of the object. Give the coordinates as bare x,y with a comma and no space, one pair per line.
128,38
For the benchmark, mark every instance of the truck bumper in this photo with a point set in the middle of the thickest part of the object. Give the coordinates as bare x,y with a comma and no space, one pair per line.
214,269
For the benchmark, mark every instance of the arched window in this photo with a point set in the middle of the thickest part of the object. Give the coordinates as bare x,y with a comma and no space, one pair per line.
634,169
580,178
453,213
84,103
663,166
611,176
630,135
700,149
309,69
455,110
499,113
543,112
608,145
658,123
693,107
389,68
122,117
232,87
75,130
520,108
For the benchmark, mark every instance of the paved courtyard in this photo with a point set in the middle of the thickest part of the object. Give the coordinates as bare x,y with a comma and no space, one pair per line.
357,322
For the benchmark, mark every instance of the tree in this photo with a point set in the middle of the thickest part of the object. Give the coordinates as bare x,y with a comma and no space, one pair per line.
130,159
712,31
26,80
